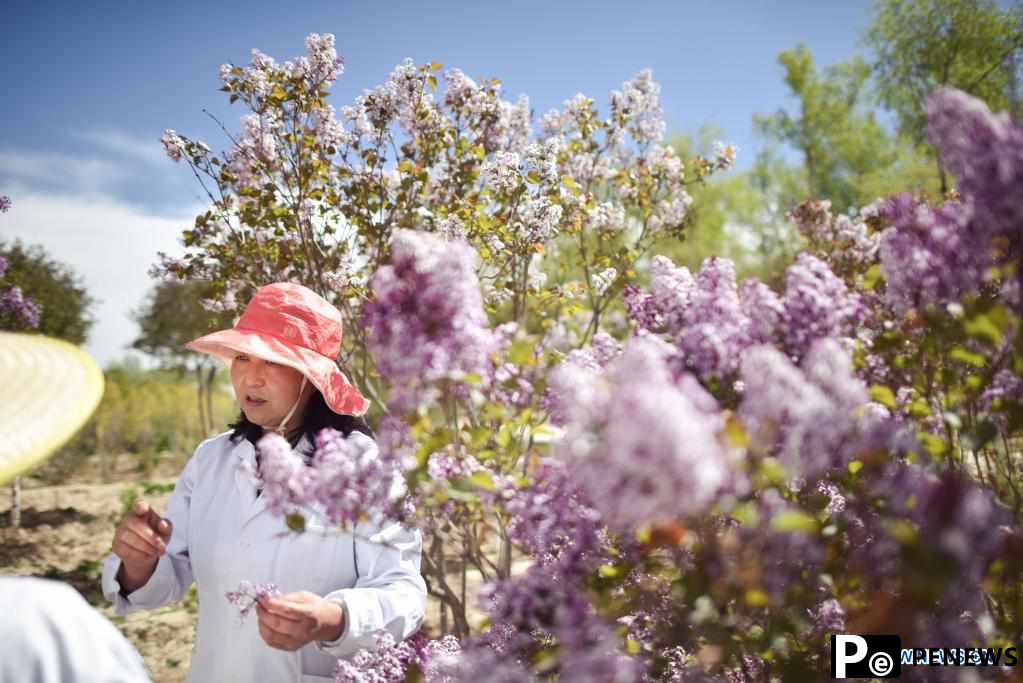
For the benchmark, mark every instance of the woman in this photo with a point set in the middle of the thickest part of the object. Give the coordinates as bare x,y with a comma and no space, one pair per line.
339,590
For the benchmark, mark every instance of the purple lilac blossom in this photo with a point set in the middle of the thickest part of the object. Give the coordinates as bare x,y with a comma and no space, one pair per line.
637,445
808,414
347,480
928,255
715,328
22,309
552,521
390,661
426,322
817,304
765,311
5,204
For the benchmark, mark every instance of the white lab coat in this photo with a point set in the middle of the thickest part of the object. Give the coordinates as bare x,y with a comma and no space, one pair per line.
224,534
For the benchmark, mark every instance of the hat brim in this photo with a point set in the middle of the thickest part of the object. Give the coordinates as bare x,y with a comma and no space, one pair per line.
52,387
340,394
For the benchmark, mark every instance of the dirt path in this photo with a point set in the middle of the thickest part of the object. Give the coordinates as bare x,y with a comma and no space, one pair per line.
65,534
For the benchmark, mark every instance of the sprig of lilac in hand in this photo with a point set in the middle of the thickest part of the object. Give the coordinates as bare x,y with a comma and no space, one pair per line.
250,594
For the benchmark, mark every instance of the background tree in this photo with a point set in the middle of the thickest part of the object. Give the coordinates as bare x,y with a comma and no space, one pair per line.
921,45
171,316
848,156
53,286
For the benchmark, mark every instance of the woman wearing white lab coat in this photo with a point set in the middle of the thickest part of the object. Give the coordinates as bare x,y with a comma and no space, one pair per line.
339,589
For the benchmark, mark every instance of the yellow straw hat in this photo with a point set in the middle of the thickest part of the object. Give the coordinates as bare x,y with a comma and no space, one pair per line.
50,389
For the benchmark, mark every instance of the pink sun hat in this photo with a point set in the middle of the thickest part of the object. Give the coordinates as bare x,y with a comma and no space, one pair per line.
294,326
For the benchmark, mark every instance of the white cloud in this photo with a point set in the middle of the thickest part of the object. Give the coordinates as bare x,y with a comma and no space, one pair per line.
81,174
122,145
109,243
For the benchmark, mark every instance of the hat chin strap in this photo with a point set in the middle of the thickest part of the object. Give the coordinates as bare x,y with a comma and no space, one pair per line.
284,422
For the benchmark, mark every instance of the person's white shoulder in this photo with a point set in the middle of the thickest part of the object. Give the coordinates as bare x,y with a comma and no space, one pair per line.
49,632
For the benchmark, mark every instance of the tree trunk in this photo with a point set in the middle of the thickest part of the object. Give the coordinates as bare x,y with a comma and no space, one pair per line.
201,404
16,503
211,375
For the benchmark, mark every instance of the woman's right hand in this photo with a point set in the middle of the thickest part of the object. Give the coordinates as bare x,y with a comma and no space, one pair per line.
140,539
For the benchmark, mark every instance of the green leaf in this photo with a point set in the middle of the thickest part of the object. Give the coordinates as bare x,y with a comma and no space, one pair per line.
610,571
483,480
746,514
872,277
883,395
932,443
792,521
983,327
965,355
855,466
520,351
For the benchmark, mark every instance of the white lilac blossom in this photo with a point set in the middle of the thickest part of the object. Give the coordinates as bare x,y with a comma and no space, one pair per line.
607,216
639,448
173,144
638,106
603,280
539,220
542,157
501,171
724,155
426,321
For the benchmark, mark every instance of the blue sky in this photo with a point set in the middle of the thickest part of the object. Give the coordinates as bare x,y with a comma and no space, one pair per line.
90,86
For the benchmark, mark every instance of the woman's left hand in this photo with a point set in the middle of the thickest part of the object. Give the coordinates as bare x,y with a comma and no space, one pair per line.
294,620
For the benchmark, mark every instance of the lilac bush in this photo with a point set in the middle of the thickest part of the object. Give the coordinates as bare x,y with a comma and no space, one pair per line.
18,312
693,477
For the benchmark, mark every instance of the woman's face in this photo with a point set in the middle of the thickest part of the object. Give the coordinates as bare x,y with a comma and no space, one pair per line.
266,391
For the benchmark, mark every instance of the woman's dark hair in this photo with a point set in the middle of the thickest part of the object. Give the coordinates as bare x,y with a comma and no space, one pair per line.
318,416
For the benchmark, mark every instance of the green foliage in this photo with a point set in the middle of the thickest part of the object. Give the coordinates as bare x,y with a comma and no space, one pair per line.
921,45
924,44
54,286
849,158
146,414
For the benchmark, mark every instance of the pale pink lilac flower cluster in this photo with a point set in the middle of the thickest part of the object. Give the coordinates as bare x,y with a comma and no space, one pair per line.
637,445
426,321
5,203
249,594
348,479
808,414
390,662
818,304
